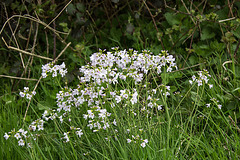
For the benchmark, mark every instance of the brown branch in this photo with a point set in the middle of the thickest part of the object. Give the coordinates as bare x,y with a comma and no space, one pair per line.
188,67
33,19
154,23
189,47
25,52
58,14
13,34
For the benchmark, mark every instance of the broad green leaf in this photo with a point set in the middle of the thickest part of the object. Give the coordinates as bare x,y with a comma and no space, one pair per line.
207,33
173,19
236,32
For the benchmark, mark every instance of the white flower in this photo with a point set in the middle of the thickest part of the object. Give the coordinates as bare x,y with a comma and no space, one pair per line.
28,96
118,99
134,97
54,74
219,106
190,81
129,140
17,135
23,132
22,94
169,69
102,113
146,140
66,137
208,105
6,136
159,107
60,118
125,96
40,127
143,144
150,105
44,74
79,133
114,122
21,142
26,89
210,86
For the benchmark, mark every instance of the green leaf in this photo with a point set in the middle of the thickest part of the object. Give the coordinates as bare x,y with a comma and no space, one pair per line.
42,105
63,24
115,34
207,33
236,32
71,9
193,60
173,19
202,49
80,7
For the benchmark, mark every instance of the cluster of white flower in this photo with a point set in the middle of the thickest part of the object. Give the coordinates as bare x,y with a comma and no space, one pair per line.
37,124
19,135
203,76
111,66
136,139
98,119
77,131
27,93
95,91
49,114
216,102
51,68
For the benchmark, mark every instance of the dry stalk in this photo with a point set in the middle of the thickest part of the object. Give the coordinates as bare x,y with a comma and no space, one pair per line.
58,14
13,34
234,124
25,52
12,77
154,23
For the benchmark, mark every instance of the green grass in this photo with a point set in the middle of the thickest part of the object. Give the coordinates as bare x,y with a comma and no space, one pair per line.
184,129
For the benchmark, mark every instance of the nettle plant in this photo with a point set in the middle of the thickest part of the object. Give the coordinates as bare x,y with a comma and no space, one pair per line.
115,85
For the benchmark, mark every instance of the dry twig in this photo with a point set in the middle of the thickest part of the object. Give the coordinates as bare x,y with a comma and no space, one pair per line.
12,77
25,52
